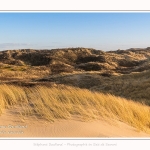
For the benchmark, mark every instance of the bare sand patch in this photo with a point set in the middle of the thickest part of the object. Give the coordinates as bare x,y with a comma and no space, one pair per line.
11,125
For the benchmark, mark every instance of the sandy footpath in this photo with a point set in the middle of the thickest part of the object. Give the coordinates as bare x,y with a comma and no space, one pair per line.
12,126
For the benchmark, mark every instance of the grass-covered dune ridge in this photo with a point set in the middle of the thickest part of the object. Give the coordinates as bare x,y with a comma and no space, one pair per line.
76,59
63,102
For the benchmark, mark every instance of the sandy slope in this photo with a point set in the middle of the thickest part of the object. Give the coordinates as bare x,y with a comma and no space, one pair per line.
12,126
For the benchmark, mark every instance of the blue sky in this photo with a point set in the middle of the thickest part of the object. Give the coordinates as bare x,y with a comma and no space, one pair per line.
103,31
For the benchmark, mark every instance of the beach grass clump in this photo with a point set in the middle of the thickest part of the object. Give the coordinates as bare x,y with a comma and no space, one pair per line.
65,102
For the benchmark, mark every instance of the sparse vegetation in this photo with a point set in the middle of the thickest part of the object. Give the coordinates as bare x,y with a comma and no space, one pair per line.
65,102
60,68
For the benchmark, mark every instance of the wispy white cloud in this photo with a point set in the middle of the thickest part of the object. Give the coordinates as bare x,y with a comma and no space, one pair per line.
6,46
11,46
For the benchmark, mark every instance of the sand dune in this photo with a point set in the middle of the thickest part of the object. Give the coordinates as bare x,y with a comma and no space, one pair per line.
12,126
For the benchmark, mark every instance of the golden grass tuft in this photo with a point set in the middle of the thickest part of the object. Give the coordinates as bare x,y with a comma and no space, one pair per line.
65,102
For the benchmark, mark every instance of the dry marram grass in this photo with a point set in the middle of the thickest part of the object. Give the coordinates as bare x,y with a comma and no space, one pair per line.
65,102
